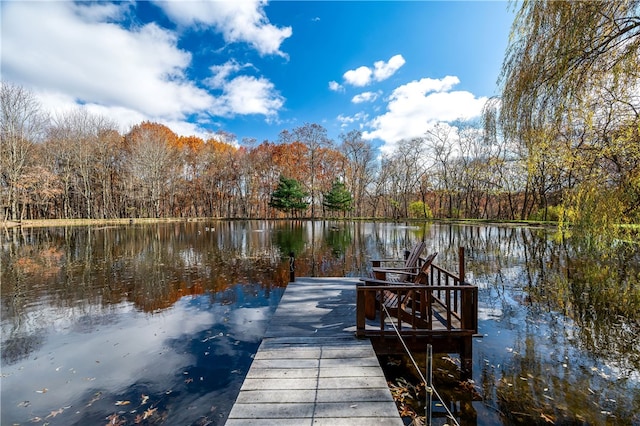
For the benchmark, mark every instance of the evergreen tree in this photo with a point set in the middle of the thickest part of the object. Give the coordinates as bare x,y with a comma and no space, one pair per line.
338,198
289,196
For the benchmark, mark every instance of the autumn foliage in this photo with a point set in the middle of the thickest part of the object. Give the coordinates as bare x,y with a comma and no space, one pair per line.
79,165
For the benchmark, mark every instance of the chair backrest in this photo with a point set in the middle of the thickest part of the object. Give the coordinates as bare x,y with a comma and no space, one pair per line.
423,275
414,254
412,259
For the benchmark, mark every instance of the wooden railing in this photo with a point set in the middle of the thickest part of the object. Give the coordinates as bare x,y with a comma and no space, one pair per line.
417,309
444,305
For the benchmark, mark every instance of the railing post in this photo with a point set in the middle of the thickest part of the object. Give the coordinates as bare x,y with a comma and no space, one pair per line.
469,311
360,311
292,267
461,265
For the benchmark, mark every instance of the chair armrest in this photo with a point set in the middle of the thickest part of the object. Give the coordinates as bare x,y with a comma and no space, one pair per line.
376,282
400,270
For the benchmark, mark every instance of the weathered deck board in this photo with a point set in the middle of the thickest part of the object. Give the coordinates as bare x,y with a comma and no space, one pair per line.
310,369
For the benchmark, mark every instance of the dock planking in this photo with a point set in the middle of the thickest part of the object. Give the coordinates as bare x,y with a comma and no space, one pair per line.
310,369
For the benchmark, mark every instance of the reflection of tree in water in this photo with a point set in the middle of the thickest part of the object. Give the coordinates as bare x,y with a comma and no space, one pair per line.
542,383
533,280
541,271
290,237
19,345
605,297
600,292
151,265
80,272
338,238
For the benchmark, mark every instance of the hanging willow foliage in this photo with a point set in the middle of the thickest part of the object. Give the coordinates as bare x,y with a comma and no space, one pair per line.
571,86
560,51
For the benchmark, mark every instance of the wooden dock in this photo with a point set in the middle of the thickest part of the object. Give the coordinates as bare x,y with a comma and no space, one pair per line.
310,368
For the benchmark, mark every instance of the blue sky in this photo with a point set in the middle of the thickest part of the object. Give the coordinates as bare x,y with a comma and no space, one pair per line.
388,68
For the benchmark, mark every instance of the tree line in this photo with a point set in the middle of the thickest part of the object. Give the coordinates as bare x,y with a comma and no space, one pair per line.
78,165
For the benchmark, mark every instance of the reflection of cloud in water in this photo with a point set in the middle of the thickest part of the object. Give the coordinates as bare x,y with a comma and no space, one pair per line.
42,316
486,313
193,259
132,347
250,323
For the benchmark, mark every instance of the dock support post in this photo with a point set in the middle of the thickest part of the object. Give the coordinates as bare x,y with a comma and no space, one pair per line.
466,358
292,267
429,384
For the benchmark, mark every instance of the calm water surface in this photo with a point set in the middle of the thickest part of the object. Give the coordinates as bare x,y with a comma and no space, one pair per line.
157,324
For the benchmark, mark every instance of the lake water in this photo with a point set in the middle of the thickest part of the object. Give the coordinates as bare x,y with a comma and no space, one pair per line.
157,324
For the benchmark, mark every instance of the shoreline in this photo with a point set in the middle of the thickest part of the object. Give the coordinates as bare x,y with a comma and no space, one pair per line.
41,223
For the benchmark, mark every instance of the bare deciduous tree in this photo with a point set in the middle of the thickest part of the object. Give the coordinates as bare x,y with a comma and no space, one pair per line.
22,123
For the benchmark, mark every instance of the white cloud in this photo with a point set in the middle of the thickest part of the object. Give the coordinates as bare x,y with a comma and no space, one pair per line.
359,77
98,61
249,95
99,12
335,86
222,72
364,97
382,70
243,94
347,120
69,56
238,21
101,63
414,107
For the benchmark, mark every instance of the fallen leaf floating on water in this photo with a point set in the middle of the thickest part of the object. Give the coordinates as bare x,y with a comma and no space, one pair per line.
145,398
123,402
149,412
114,419
547,419
43,390
96,397
54,413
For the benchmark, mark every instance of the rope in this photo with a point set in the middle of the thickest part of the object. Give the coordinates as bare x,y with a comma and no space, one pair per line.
415,364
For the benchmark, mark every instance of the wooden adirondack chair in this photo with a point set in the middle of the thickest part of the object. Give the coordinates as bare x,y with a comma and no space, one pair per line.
421,277
394,276
402,273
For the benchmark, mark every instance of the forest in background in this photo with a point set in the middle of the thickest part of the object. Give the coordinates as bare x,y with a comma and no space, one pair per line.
80,166
562,142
